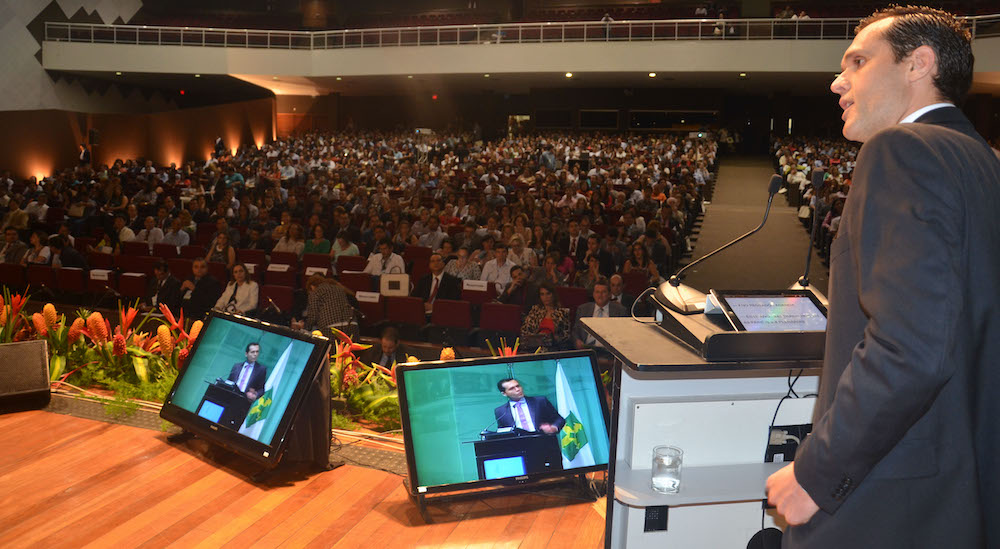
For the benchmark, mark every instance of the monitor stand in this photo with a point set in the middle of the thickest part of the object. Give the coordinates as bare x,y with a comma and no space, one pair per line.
308,441
573,487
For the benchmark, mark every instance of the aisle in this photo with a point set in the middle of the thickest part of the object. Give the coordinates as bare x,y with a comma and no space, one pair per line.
775,257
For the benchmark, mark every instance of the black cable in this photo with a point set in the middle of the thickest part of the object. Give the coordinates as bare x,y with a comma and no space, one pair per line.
649,290
789,394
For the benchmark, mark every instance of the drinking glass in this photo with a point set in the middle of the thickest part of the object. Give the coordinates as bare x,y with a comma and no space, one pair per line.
667,461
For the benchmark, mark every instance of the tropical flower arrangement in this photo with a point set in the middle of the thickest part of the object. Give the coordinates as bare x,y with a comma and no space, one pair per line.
134,361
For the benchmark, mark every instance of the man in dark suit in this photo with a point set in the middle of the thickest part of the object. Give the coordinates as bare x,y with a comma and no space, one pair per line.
618,295
13,249
574,244
605,258
163,288
387,351
437,284
528,413
200,291
250,375
601,306
520,290
903,450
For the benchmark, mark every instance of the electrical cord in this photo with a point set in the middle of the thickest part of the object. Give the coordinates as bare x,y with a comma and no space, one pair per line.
791,391
645,292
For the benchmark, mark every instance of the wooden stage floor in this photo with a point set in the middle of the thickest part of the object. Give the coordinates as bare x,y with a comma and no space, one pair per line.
72,482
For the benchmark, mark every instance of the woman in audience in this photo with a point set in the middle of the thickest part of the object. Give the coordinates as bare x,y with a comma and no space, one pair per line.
241,294
550,272
403,237
291,241
587,278
547,323
518,254
221,251
343,245
318,244
38,252
463,266
639,261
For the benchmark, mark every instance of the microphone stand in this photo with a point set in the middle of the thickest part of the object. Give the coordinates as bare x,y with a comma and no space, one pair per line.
686,300
803,282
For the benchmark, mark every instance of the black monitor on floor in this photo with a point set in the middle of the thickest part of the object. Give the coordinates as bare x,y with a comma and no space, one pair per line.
244,383
502,420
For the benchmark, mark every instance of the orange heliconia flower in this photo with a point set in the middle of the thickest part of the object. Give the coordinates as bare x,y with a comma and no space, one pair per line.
166,339
49,313
195,330
75,329
98,328
39,321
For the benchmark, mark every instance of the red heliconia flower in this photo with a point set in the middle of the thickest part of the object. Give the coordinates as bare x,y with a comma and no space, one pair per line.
16,303
21,335
39,321
118,346
181,357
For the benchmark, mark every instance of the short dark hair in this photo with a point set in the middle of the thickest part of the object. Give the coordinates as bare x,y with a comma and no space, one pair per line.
161,265
251,344
390,332
602,281
915,26
504,380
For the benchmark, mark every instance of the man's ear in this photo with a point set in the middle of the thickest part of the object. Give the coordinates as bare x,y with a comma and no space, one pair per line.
923,63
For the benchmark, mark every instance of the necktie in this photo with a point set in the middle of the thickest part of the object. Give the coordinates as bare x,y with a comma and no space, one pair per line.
600,312
243,377
434,290
521,417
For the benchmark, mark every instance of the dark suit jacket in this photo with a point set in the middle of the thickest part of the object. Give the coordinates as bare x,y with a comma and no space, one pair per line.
373,355
587,311
451,287
539,408
525,295
581,249
70,257
905,425
169,294
258,377
206,292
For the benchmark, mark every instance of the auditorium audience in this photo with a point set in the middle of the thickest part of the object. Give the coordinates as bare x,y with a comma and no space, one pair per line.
545,203
547,324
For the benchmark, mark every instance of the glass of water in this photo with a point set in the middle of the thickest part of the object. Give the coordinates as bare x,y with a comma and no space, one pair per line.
667,462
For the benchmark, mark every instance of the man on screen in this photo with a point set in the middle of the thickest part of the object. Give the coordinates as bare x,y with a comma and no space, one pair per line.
528,413
250,375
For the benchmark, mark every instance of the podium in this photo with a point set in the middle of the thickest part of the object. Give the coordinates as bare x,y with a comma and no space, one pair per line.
718,413
517,453
224,404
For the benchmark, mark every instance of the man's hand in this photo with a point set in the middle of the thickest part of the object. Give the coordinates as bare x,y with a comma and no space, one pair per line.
251,394
548,428
792,501
187,285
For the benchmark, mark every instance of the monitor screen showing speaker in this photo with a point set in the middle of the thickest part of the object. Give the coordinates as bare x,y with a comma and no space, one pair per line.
243,383
502,420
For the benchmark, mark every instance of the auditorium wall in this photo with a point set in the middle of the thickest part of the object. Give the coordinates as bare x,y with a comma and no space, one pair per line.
42,141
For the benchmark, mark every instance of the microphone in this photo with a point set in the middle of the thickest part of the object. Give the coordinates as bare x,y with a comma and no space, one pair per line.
273,304
490,424
673,285
817,184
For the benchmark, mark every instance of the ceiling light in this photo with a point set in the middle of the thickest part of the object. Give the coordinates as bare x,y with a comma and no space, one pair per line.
275,77
197,76
652,75
409,76
743,75
569,75
339,79
486,75
118,73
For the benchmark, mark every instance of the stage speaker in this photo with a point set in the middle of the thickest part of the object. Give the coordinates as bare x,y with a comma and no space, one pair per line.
24,376
94,137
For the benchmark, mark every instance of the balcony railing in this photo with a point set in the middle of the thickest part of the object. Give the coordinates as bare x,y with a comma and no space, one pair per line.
516,33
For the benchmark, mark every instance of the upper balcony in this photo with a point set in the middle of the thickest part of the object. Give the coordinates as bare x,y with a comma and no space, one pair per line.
694,52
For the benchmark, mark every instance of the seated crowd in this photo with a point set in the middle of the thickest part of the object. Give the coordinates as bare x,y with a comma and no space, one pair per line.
796,159
528,216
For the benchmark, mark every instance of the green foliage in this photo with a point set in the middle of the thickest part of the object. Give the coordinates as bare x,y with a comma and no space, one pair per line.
338,421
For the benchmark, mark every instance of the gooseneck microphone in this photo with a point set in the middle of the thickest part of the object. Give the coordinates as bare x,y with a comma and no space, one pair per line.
817,184
772,189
